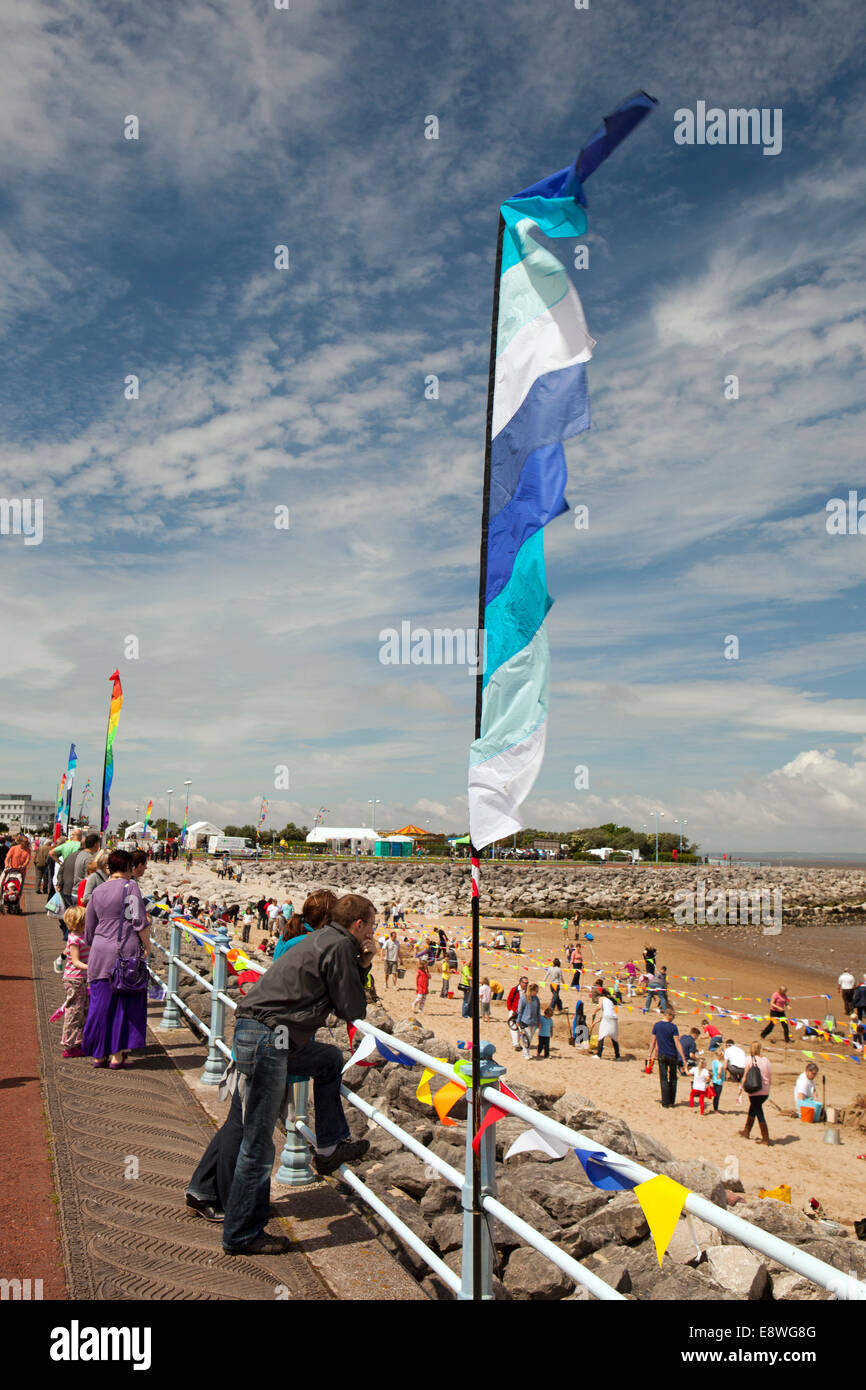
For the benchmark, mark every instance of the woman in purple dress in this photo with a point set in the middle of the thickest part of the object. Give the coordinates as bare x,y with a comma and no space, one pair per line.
115,925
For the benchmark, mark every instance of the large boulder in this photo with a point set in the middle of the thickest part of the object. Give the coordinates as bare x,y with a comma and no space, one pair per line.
567,1202
620,1220
698,1177
779,1218
410,1030
440,1199
530,1276
682,1248
739,1270
650,1150
511,1195
406,1172
578,1112
794,1287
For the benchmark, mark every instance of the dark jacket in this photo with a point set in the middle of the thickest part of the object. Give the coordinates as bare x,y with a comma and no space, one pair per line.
321,975
858,999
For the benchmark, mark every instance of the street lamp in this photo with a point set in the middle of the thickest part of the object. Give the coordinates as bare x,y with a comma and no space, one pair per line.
657,814
170,793
187,784
374,804
681,823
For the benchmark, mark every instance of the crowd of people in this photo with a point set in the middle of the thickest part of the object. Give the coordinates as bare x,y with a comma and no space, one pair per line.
321,964
701,1055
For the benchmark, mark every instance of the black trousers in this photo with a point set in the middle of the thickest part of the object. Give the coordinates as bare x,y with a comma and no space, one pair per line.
212,1179
668,1080
774,1014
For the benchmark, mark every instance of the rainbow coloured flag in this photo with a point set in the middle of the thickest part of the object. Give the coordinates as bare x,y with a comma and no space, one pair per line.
147,818
113,720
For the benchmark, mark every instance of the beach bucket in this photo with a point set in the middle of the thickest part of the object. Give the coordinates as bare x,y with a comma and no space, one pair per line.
450,994
832,1137
807,1114
831,1115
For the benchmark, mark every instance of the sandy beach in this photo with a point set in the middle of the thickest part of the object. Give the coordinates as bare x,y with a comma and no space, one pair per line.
738,976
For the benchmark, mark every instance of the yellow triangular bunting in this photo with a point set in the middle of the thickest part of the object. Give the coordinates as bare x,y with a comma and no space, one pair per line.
662,1201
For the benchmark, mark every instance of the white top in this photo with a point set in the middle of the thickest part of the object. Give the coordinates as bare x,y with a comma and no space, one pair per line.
391,950
608,1008
735,1056
700,1077
846,980
804,1089
484,994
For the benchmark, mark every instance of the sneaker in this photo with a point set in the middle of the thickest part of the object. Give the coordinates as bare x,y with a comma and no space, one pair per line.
348,1151
264,1244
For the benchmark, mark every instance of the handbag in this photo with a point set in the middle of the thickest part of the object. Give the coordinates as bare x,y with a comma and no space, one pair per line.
753,1080
129,975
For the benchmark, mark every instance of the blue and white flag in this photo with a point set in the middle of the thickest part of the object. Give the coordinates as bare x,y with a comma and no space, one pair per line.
540,398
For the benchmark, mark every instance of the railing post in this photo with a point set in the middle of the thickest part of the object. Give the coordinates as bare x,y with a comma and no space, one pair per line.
490,1071
216,1062
171,1014
295,1168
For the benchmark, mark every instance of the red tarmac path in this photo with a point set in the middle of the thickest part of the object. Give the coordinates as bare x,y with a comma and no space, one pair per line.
29,1231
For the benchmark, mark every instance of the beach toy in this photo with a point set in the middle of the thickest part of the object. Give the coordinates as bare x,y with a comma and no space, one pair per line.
807,1114
782,1193
832,1137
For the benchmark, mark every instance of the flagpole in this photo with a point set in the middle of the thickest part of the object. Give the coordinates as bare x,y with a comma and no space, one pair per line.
477,1225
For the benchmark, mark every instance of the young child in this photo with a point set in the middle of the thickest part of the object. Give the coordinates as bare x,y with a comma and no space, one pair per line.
718,1081
632,972
700,1081
545,1033
75,980
445,968
485,994
422,986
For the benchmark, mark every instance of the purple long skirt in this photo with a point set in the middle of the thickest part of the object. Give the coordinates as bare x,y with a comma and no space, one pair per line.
115,1022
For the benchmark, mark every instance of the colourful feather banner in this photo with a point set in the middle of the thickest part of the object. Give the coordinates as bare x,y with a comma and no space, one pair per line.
108,769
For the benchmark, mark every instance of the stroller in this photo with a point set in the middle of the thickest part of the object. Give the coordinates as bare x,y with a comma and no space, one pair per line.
11,889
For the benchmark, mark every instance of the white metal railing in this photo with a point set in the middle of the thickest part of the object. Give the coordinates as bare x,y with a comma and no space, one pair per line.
295,1167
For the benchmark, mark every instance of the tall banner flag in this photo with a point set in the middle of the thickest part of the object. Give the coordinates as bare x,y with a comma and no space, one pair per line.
58,815
536,398
70,777
147,818
108,768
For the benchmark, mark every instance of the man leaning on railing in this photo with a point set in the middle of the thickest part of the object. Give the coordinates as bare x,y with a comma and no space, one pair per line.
274,1038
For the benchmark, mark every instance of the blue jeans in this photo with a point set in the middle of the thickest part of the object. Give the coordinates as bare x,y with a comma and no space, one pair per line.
266,1067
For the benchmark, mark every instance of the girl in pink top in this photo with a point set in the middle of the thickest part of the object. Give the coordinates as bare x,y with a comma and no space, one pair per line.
75,981
778,1010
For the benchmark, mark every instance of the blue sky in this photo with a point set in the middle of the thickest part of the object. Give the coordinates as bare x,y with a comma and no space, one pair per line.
305,388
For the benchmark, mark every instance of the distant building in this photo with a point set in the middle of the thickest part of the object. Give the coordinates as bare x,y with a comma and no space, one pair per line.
21,808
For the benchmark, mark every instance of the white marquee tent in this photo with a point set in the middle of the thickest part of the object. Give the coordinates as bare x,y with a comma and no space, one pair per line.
337,835
197,833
